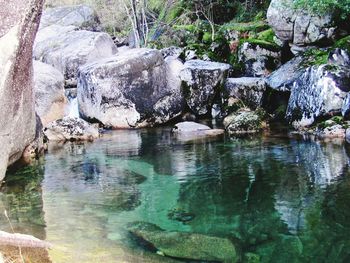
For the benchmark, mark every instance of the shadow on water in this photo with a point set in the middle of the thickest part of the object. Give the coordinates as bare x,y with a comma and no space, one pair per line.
277,197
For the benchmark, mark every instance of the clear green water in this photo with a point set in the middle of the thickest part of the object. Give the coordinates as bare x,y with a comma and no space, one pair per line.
285,200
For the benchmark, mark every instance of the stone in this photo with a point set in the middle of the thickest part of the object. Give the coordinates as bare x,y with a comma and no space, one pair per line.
339,57
80,16
18,27
70,129
66,49
318,92
191,131
246,89
185,245
284,77
189,127
243,122
50,99
131,90
347,135
334,131
172,52
345,110
259,60
202,80
299,27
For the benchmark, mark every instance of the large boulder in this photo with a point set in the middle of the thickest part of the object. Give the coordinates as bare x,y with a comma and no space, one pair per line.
66,49
259,60
202,80
183,245
319,92
130,90
249,91
50,99
18,26
80,16
243,122
299,27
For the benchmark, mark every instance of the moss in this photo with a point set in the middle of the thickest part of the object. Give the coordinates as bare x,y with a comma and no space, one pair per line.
207,37
266,35
256,26
189,28
343,43
315,57
261,43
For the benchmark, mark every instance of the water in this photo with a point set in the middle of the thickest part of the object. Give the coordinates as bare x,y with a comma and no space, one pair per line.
284,200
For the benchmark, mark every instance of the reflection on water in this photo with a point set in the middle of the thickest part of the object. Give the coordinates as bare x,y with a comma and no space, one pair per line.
279,198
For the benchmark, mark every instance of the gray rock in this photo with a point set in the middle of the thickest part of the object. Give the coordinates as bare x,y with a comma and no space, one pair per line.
71,129
185,245
191,131
248,90
202,81
345,110
134,89
171,52
80,16
339,57
334,131
299,27
243,122
67,49
318,92
258,60
18,28
50,99
190,127
347,135
284,77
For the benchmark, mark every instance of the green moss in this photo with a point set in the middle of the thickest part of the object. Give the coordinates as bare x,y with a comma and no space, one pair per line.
207,37
343,43
267,35
315,57
190,28
256,26
261,43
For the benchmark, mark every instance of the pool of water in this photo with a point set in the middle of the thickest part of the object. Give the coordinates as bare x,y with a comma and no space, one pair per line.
280,199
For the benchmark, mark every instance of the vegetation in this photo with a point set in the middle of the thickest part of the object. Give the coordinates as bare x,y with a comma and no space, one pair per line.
341,8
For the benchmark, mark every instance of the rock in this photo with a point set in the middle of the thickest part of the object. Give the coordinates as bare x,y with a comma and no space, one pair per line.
18,26
67,49
202,81
188,131
190,55
185,245
299,27
70,129
284,77
339,57
243,122
80,16
347,135
318,92
345,110
259,60
248,90
134,89
190,127
50,99
180,215
334,131
171,52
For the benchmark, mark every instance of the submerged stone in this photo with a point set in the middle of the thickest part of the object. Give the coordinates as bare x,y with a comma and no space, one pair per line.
184,245
180,215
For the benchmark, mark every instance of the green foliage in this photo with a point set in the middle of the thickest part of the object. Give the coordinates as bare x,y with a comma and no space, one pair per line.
315,56
343,43
266,35
337,7
255,26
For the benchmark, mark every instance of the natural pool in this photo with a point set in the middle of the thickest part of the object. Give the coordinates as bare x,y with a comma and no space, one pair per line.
280,199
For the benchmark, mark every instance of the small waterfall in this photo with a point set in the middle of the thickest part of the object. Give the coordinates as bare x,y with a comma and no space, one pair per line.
72,107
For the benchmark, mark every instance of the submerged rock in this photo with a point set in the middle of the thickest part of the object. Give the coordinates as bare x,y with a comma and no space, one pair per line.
66,48
184,245
202,80
243,122
134,89
191,130
70,129
259,60
248,90
50,100
318,92
180,215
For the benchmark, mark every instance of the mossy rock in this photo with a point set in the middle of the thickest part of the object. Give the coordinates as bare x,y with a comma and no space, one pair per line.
256,26
243,122
261,43
267,36
343,43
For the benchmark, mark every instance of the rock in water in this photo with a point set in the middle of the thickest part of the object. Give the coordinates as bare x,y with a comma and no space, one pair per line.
132,89
81,16
71,129
191,131
202,80
18,26
243,122
184,245
50,100
318,92
66,48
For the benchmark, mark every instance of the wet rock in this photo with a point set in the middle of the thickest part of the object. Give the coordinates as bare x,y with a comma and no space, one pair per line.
258,60
299,27
180,215
333,131
190,127
243,122
134,89
50,100
184,245
81,16
70,129
318,92
284,77
18,27
202,79
248,90
66,49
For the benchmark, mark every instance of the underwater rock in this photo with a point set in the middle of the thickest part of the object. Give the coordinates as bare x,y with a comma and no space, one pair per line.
258,60
180,215
185,245
50,100
202,80
136,88
70,129
243,122
191,130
